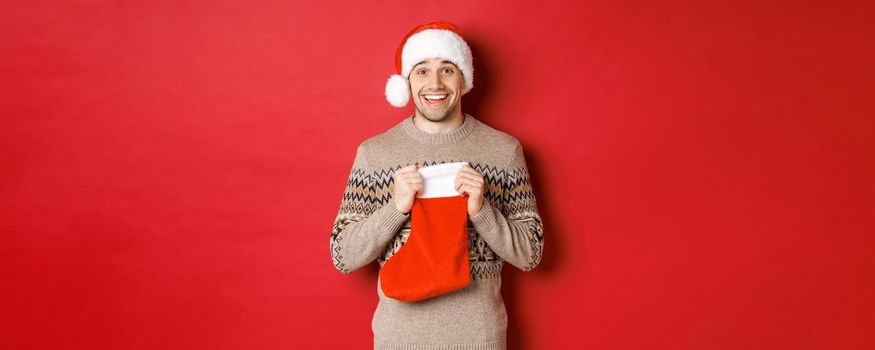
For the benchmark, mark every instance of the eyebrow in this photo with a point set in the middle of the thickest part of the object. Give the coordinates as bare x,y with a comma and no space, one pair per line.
442,62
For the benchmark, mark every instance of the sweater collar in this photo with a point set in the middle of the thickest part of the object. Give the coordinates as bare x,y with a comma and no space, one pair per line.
456,134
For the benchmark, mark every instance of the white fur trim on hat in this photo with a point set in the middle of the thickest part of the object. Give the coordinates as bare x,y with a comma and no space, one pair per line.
438,43
397,91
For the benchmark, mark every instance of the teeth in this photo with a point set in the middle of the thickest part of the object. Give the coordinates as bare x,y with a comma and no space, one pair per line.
435,97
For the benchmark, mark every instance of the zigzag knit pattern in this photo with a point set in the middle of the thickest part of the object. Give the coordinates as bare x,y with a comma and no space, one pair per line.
508,190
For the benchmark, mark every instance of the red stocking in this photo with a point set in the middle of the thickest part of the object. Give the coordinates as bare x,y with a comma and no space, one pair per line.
434,260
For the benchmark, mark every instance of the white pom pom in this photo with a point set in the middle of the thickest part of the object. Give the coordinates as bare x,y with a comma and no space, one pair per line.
397,91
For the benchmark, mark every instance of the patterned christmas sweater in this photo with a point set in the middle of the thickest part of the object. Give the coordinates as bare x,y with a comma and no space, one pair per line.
508,228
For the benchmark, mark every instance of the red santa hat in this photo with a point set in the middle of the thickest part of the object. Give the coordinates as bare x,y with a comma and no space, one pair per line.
438,39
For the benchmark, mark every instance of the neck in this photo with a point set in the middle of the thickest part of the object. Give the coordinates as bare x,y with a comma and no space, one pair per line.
444,126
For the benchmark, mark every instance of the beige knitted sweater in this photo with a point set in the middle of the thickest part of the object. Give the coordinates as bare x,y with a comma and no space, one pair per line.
507,228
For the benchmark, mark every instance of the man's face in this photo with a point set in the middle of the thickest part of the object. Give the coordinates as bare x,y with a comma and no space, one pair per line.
436,87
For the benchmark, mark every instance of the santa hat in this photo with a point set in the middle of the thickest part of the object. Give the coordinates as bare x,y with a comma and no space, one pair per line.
438,39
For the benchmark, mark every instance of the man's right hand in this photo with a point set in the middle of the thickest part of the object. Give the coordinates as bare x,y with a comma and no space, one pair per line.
408,182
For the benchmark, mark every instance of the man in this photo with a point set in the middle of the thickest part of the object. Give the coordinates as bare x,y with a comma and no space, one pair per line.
434,66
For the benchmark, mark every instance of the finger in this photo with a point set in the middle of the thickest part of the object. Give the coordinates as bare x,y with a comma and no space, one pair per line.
414,181
464,192
470,173
409,174
470,176
471,188
414,170
407,169
411,177
468,182
473,179
469,170
467,186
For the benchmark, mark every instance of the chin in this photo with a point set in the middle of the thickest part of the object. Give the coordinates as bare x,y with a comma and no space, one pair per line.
435,116
436,119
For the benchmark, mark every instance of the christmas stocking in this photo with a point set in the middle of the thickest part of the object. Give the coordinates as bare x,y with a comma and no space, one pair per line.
434,260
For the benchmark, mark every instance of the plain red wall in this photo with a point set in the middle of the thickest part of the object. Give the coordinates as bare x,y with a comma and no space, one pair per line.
171,170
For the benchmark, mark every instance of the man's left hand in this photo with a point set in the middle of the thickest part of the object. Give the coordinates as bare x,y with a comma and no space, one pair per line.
470,182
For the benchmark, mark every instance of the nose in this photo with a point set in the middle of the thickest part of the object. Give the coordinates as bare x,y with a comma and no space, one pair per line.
436,81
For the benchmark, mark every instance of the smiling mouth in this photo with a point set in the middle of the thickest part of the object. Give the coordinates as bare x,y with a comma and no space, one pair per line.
435,99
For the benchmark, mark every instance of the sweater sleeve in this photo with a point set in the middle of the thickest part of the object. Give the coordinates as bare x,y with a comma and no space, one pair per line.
514,231
362,227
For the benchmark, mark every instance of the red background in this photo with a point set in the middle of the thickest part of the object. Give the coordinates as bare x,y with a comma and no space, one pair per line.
171,170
